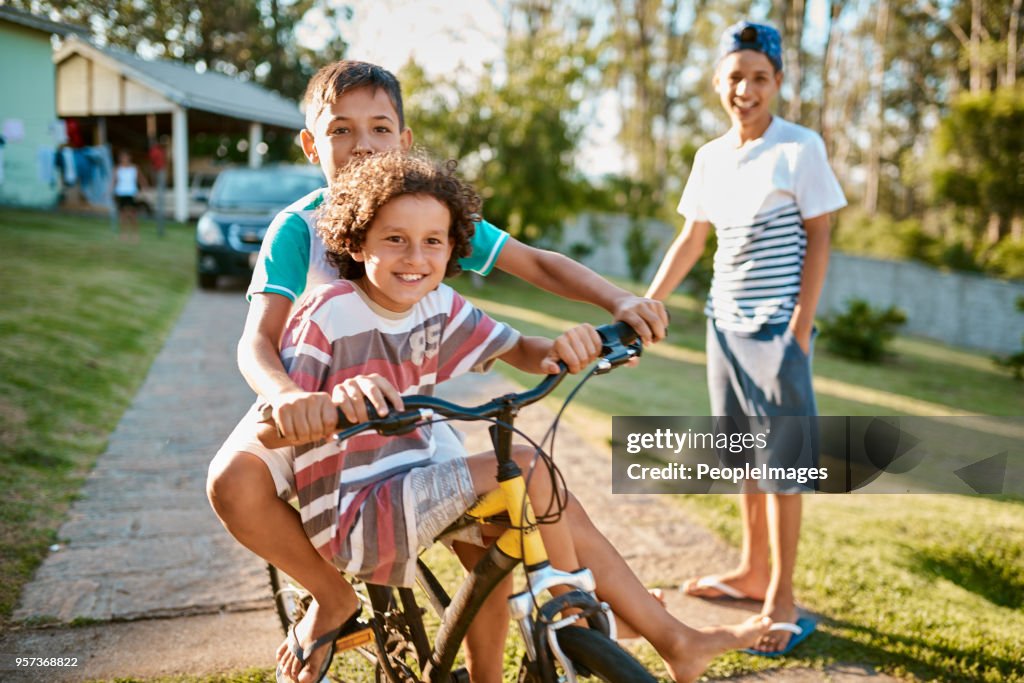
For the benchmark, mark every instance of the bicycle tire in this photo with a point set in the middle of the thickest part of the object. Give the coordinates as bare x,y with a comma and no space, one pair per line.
596,655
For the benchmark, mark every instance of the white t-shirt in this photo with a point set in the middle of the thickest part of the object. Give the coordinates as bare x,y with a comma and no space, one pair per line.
758,195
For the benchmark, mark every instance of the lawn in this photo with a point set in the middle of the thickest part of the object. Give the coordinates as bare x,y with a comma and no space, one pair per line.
85,316
922,586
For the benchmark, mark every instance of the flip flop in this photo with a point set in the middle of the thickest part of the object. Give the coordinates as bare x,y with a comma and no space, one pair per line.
725,589
351,626
803,627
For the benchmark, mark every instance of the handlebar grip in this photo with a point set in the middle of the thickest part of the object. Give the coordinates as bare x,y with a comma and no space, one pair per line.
617,333
344,423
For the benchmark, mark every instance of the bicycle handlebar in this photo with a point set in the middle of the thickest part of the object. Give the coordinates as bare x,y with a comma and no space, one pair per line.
619,345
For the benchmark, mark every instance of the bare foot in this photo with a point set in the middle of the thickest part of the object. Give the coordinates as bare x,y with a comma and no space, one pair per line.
746,584
776,641
623,630
317,621
690,657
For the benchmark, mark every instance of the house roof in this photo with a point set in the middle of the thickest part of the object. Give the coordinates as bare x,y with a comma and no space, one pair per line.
17,16
183,85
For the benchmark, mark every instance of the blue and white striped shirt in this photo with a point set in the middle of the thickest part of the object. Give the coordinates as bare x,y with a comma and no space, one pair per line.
757,196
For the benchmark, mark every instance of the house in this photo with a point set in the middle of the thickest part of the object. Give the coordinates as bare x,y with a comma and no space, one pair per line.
114,98
29,127
122,99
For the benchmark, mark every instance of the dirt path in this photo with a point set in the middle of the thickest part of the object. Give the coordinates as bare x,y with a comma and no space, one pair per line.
160,587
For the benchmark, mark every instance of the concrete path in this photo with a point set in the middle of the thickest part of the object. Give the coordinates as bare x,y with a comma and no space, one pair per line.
159,588
142,544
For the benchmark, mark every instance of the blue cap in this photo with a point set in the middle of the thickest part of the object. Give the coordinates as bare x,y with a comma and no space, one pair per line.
745,35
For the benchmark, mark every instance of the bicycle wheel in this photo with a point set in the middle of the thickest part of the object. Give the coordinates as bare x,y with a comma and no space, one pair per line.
595,655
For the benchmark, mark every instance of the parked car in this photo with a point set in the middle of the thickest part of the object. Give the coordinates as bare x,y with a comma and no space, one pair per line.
199,185
242,204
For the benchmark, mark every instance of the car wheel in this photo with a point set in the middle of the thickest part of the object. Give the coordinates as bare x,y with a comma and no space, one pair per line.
207,281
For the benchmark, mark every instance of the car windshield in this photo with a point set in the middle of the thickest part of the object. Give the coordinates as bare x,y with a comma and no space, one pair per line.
244,187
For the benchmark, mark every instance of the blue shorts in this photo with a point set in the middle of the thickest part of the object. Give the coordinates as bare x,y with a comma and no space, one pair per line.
765,375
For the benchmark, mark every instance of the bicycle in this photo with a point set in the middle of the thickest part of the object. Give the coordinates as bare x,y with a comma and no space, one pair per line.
557,650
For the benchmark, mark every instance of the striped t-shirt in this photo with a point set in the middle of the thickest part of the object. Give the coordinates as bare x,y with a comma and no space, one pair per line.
758,195
354,498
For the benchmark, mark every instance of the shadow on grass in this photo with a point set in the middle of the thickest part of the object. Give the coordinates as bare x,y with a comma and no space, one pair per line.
935,661
992,572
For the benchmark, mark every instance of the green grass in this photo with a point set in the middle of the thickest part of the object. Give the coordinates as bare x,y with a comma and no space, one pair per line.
925,586
84,317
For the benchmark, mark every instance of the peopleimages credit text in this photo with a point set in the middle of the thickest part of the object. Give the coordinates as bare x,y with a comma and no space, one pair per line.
818,454
677,471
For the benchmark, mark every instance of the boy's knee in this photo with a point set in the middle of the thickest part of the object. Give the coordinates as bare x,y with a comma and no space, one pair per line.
234,479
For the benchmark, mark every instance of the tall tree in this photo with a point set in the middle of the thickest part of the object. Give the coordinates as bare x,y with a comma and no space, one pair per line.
516,129
248,39
877,113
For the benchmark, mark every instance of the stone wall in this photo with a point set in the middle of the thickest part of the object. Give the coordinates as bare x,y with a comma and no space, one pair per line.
959,309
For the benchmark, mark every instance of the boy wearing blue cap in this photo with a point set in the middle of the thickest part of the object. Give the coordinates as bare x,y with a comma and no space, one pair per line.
768,190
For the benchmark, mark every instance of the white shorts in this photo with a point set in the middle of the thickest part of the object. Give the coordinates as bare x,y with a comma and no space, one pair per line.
243,439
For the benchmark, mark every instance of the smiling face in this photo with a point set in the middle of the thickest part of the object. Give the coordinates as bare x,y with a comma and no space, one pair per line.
747,83
406,251
362,121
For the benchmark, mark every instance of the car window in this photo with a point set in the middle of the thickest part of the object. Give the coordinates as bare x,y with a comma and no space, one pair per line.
243,187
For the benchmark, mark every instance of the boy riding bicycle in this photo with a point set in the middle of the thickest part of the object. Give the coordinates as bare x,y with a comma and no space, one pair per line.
395,226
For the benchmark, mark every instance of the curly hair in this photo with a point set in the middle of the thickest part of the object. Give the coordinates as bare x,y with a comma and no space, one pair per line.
364,185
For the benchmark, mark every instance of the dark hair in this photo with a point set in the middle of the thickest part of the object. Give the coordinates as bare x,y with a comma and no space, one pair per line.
334,80
366,184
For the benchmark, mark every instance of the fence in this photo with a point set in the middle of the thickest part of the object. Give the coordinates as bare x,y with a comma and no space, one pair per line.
959,309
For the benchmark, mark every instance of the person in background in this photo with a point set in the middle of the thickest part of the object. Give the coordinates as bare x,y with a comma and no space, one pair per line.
125,184
767,188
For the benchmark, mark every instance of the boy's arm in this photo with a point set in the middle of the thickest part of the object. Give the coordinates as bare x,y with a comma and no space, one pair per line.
576,347
679,259
567,278
812,279
301,416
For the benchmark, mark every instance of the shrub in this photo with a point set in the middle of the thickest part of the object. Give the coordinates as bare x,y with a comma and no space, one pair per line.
1015,361
639,250
1007,258
861,332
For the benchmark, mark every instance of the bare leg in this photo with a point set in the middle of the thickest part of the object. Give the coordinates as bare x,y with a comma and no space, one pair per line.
784,513
753,574
242,493
489,630
686,651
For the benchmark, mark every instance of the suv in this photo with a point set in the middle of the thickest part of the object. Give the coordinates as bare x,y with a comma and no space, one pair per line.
242,204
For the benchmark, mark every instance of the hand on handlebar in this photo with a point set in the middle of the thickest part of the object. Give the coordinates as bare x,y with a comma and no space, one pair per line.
577,347
648,317
303,416
352,395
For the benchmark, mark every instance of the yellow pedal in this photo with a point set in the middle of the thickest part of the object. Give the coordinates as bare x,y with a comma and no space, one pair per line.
361,637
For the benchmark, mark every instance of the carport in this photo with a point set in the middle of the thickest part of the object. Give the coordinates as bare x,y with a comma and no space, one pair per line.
121,94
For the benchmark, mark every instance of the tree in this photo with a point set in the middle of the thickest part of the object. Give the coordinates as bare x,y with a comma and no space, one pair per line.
249,39
515,130
978,148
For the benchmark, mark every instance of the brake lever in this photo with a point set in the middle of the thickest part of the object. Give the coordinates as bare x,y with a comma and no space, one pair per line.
619,356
